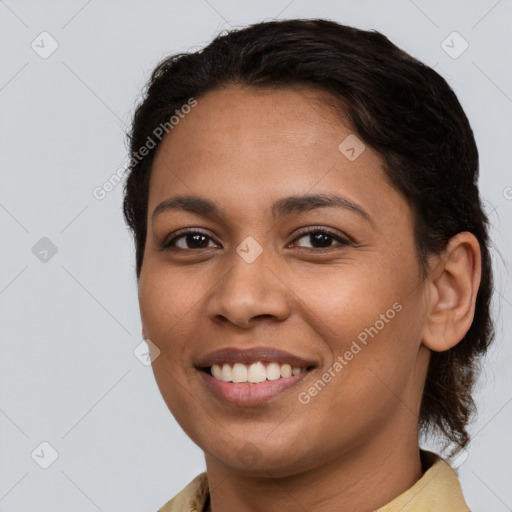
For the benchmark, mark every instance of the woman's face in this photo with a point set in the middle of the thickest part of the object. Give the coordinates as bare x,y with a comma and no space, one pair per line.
254,275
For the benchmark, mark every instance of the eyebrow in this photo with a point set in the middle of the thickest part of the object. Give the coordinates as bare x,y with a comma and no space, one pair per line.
281,208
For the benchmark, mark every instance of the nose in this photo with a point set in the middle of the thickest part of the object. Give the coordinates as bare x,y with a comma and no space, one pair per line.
248,292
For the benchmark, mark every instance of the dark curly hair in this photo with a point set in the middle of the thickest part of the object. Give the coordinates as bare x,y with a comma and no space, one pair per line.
397,105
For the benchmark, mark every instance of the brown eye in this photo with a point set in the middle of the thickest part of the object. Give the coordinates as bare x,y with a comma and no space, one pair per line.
192,240
322,238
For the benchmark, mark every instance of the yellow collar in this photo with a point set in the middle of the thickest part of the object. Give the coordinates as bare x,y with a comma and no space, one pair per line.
438,490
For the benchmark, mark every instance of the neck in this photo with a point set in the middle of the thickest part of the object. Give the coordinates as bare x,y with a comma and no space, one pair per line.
361,481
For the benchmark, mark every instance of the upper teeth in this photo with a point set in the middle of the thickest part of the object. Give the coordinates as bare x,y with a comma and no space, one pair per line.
256,372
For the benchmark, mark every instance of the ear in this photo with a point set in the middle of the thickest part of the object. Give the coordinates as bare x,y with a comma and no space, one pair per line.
452,289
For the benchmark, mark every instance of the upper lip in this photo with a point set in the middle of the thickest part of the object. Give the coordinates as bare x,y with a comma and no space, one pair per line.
252,355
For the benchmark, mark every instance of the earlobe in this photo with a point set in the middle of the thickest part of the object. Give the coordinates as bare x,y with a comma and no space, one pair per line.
453,288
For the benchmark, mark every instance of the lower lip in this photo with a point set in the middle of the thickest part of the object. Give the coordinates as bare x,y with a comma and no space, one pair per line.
247,393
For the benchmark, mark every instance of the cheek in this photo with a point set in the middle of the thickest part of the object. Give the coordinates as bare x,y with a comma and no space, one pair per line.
340,302
164,304
370,322
374,362
163,310
165,297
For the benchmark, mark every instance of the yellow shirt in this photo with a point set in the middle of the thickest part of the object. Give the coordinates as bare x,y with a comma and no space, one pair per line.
438,490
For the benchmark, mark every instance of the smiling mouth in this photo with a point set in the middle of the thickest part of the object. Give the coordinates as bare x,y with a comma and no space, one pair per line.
254,373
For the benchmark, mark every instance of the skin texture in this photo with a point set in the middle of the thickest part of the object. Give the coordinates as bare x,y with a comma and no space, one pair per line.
244,148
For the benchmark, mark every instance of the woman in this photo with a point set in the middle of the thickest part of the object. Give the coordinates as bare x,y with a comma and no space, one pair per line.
313,267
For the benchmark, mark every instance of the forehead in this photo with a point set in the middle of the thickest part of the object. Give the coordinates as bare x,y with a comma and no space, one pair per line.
242,145
297,115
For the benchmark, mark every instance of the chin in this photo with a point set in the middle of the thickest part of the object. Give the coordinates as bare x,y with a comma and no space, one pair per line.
259,458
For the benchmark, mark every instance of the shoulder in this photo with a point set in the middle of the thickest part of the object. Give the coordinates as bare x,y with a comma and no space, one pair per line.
437,490
191,498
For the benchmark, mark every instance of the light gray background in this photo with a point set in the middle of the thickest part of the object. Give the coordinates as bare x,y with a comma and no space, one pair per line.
68,375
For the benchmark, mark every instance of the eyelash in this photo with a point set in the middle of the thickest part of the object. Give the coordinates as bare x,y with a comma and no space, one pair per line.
168,245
